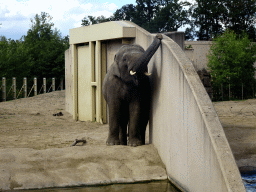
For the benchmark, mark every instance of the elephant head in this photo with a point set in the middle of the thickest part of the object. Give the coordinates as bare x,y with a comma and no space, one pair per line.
141,63
131,60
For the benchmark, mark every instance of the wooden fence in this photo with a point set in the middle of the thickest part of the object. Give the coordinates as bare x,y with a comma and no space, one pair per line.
23,89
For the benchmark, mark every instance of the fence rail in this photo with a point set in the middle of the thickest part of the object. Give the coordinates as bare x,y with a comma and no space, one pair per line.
226,92
24,88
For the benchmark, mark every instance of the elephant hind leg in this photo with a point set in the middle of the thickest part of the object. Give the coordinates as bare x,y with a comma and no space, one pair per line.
123,135
134,124
138,120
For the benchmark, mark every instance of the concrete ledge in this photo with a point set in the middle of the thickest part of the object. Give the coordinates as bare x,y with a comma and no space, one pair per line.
23,168
102,31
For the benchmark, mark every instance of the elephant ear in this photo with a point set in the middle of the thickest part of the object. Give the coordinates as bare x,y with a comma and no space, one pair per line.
116,70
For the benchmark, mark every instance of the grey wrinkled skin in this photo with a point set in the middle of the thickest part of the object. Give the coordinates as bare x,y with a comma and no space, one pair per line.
126,90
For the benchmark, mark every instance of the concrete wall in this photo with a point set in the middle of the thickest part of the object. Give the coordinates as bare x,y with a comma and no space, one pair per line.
200,51
69,81
198,54
178,37
112,48
184,126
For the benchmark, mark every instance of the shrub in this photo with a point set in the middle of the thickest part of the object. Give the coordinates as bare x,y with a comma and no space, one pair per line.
231,61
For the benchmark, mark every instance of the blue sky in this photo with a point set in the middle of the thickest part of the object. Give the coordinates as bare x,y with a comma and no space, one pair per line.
15,15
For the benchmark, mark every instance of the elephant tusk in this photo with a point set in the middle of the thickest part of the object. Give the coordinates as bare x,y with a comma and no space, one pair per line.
147,74
132,73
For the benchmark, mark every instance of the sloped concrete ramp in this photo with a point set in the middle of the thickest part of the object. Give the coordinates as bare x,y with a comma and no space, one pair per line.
24,168
35,149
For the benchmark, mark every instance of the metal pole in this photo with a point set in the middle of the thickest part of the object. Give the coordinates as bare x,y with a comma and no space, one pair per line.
25,87
3,89
35,86
14,87
44,84
53,84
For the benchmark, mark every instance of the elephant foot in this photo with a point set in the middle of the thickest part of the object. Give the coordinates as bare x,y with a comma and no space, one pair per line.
123,143
113,142
135,142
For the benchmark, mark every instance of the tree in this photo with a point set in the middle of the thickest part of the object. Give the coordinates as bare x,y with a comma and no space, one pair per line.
90,20
38,54
155,15
45,48
127,12
214,17
231,61
170,16
241,16
208,16
146,11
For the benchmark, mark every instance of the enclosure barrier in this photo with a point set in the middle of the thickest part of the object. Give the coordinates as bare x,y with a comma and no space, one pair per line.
24,87
184,126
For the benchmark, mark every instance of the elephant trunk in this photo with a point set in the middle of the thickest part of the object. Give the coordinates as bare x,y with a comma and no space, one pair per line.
142,62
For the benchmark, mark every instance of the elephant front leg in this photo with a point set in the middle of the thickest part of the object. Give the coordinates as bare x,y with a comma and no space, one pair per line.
118,120
114,124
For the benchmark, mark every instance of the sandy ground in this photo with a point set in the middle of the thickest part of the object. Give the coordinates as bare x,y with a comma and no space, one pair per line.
35,149
238,119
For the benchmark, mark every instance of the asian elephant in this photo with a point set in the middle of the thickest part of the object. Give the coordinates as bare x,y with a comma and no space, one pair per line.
126,89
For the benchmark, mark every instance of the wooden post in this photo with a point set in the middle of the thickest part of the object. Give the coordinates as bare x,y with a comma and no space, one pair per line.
25,87
61,84
35,86
53,84
253,90
229,91
3,89
14,87
242,91
44,84
222,91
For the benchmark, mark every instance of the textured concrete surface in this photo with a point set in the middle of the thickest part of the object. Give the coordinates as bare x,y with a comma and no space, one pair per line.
35,149
24,168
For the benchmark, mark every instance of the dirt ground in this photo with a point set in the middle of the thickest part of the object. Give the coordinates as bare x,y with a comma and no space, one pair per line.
35,149
238,119
29,123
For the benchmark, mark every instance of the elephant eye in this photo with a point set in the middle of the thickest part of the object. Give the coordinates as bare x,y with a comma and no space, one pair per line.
124,59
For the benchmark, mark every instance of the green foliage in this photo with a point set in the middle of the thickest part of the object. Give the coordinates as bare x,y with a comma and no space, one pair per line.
90,20
127,12
241,16
38,54
152,15
169,17
213,17
231,61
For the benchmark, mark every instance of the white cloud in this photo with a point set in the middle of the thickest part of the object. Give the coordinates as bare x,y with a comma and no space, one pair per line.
66,14
110,6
